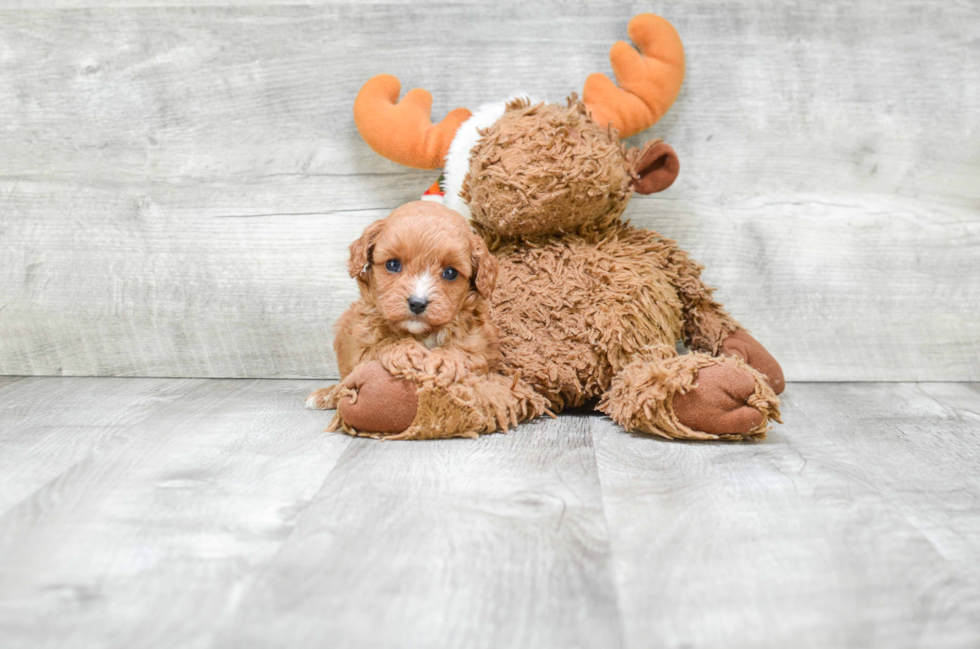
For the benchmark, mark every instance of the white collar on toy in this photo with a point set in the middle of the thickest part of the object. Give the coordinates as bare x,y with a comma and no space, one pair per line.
458,157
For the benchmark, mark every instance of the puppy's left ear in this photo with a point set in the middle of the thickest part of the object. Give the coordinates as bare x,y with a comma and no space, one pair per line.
484,267
360,250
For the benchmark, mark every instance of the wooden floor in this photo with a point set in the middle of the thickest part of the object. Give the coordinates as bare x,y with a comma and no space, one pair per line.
215,513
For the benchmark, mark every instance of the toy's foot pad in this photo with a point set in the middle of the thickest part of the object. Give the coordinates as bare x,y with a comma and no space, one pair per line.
382,404
719,403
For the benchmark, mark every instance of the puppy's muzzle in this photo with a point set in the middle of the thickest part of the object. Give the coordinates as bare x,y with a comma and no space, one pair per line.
417,304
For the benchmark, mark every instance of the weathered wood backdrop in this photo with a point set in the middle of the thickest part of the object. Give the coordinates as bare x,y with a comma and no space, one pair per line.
178,185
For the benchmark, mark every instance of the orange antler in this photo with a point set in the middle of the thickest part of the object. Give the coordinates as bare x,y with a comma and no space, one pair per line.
403,131
649,79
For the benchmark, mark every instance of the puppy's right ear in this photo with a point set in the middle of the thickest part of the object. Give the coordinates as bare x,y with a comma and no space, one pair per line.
360,250
485,267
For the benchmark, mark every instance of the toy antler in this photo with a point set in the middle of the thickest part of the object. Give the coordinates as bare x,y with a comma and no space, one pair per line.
403,131
649,79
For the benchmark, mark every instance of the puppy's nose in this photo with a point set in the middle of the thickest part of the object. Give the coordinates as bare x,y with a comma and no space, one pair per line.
417,304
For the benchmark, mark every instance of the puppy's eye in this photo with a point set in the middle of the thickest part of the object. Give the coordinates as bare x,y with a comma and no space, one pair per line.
450,274
393,265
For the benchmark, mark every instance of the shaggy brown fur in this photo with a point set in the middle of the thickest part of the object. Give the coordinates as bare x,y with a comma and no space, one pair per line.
587,305
545,168
641,397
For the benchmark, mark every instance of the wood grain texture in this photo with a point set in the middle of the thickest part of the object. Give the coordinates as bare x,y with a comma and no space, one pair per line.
855,524
499,542
214,514
100,4
150,540
10,380
49,425
828,184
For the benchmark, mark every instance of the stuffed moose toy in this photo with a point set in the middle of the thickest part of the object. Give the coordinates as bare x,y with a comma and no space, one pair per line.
587,307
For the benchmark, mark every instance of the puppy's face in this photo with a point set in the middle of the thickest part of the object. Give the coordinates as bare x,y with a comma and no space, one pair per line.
420,265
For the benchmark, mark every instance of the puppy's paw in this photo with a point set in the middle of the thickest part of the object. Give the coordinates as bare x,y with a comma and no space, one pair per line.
322,399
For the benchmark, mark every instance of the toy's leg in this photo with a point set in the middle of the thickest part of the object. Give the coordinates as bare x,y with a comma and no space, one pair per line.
695,396
375,402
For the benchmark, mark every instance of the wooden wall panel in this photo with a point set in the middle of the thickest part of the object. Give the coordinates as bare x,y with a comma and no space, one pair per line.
178,185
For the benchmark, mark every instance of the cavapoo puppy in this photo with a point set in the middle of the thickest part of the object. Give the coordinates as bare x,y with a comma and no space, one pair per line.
425,279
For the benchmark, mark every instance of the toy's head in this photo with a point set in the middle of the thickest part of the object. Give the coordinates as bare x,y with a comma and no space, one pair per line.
522,168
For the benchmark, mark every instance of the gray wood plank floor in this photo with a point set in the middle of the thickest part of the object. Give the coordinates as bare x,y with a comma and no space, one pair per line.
215,513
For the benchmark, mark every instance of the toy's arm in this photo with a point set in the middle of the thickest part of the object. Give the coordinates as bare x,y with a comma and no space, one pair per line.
709,328
411,359
706,323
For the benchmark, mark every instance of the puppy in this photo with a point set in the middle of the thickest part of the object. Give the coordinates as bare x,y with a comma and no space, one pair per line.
425,280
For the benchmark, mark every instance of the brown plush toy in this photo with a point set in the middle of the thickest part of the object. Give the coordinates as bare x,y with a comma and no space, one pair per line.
587,307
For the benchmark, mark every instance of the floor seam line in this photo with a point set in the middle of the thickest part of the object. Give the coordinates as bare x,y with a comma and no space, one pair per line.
609,542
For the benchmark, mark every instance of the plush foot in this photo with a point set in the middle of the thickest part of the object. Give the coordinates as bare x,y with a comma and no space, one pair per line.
381,403
694,396
719,404
742,345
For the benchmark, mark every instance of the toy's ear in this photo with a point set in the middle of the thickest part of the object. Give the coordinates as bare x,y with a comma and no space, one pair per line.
655,168
484,267
360,250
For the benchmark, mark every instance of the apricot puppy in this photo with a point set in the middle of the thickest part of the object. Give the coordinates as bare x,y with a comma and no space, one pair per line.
424,278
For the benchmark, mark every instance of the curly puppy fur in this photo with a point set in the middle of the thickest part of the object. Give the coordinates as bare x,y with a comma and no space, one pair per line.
584,300
449,349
